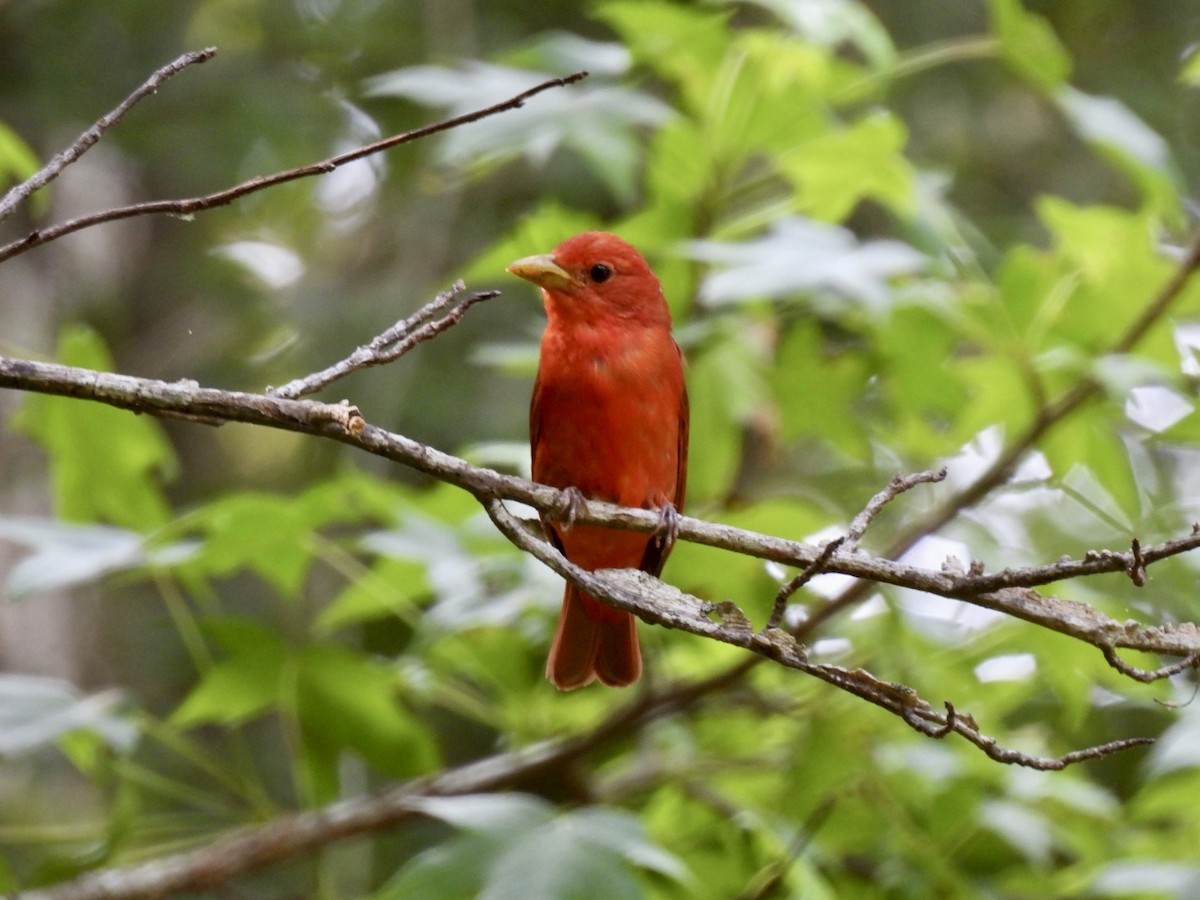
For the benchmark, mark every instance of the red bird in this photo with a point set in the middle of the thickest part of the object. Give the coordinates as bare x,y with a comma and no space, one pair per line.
609,418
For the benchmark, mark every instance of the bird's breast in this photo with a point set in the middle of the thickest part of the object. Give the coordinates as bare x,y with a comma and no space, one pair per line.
607,411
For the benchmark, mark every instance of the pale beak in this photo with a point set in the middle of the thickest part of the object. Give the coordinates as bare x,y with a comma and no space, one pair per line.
542,271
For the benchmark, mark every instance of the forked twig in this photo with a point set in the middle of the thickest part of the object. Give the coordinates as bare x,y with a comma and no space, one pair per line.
849,541
393,343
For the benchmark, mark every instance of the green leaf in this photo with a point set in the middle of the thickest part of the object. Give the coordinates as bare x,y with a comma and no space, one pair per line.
1021,827
261,533
1135,149
836,24
17,159
833,173
36,712
1112,256
817,386
917,344
392,587
8,881
66,555
596,121
452,869
678,43
801,255
496,813
341,699
1178,748
512,837
1017,316
1145,877
752,108
582,870
996,394
1090,459
725,387
1189,72
1028,44
244,685
106,464
345,700
564,53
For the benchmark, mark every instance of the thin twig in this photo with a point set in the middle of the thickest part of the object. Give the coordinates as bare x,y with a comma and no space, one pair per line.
1137,566
84,142
805,576
1146,676
186,207
849,541
897,486
393,343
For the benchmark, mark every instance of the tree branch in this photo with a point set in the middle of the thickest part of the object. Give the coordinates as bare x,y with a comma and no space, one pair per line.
654,601
849,541
19,193
1008,591
188,206
292,835
421,326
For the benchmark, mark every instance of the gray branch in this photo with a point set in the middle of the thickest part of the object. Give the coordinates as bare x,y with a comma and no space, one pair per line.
290,835
1008,591
190,205
84,142
421,326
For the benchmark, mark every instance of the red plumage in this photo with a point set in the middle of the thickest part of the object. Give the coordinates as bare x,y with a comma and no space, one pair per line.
609,417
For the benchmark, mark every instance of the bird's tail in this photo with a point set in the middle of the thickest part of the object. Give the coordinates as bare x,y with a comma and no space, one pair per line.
593,641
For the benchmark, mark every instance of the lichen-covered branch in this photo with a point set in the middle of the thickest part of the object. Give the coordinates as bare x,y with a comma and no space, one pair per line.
653,601
1008,591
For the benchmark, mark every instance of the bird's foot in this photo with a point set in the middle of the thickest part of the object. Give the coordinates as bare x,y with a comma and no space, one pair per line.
667,529
571,505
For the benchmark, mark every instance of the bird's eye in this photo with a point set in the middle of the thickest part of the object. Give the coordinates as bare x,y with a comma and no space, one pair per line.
601,272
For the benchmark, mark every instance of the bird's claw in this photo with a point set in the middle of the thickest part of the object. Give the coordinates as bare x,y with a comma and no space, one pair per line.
570,505
667,529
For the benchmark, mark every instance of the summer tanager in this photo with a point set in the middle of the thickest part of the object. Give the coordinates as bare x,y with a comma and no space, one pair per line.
609,418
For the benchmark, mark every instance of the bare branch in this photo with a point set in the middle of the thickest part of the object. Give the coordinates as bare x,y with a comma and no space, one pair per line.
1137,566
189,206
807,575
849,541
1008,591
84,142
898,485
653,601
1146,676
289,836
393,343
953,720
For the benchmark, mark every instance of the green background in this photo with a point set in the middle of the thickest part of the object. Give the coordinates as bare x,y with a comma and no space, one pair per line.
892,234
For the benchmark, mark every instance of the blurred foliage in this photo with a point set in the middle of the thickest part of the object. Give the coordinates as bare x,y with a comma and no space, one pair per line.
892,235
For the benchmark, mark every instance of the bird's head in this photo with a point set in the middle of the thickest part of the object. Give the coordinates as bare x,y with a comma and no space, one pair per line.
595,274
